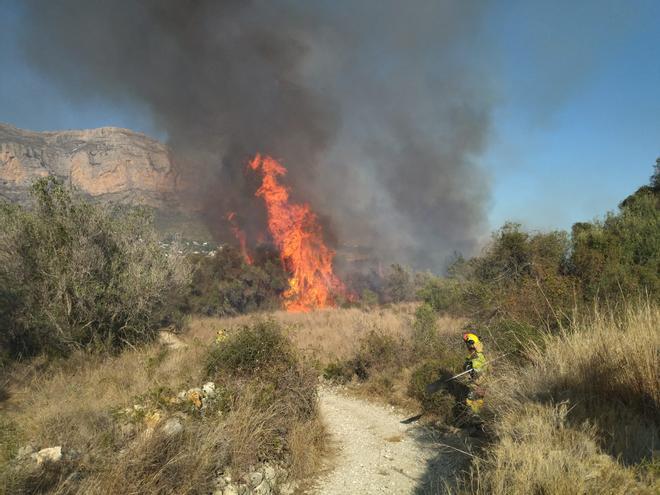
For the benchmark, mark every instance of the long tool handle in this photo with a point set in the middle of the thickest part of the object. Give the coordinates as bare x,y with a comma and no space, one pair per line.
468,371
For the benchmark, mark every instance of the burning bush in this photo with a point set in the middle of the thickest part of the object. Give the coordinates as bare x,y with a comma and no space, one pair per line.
297,233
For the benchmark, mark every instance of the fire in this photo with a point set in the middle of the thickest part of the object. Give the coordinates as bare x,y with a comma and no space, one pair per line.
240,235
298,236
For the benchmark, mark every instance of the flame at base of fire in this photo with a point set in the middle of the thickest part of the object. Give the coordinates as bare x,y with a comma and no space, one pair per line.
298,236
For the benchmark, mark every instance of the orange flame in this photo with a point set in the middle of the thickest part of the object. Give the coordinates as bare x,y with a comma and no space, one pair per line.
298,236
240,235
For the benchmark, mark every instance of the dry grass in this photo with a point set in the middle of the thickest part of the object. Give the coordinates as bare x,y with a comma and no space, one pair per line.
332,334
77,403
593,391
66,401
74,403
159,463
308,442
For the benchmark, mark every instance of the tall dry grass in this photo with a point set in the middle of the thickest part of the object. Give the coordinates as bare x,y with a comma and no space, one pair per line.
583,416
79,402
331,334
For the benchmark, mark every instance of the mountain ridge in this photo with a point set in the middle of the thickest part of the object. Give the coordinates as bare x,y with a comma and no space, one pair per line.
107,164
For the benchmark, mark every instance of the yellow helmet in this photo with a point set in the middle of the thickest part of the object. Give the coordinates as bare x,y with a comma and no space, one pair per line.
473,342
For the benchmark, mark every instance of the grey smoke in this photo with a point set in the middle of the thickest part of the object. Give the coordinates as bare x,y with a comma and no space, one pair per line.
375,107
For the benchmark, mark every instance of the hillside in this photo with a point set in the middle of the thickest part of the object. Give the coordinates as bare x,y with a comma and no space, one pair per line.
109,164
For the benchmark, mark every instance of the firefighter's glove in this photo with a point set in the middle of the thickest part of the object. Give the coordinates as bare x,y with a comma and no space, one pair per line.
467,366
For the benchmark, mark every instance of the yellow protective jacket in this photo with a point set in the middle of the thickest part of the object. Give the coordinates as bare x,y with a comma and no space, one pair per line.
476,361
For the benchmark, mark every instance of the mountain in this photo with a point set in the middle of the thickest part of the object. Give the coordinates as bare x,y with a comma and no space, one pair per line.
108,164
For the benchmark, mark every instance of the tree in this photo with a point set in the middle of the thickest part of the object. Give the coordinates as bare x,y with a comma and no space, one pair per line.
76,274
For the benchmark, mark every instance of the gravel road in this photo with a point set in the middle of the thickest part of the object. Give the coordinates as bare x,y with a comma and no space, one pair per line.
377,454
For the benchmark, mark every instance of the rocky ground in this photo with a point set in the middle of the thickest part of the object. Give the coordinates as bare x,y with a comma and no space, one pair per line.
376,453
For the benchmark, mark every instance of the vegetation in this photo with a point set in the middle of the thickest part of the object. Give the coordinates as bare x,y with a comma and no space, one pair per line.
256,416
574,406
224,284
257,348
74,274
592,391
525,282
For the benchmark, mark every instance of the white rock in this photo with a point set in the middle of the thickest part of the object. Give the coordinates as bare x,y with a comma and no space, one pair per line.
287,488
51,454
26,451
172,427
263,488
230,490
269,472
209,389
255,478
170,340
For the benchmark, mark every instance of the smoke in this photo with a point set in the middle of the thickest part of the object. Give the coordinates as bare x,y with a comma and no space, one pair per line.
377,108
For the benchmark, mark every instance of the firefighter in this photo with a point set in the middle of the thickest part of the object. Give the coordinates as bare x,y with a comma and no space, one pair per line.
475,363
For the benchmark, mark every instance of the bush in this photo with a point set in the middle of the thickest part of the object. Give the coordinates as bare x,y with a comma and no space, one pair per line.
225,284
75,274
258,347
377,353
339,371
441,294
516,337
398,285
442,402
425,331
274,395
368,298
590,391
620,255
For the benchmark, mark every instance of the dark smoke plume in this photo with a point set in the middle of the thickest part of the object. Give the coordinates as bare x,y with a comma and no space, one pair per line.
373,106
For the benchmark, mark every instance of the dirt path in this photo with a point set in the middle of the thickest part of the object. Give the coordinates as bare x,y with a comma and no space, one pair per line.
377,454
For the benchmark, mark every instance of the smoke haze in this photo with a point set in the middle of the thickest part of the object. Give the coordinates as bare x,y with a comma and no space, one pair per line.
373,106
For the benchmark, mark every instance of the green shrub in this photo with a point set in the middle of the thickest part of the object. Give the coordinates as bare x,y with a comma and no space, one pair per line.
398,285
425,331
440,403
339,371
225,284
441,294
260,346
620,255
368,298
516,337
76,274
377,351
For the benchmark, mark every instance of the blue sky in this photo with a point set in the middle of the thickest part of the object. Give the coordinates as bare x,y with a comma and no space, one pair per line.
576,122
578,127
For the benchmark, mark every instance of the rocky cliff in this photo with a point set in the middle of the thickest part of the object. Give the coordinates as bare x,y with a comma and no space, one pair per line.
108,164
